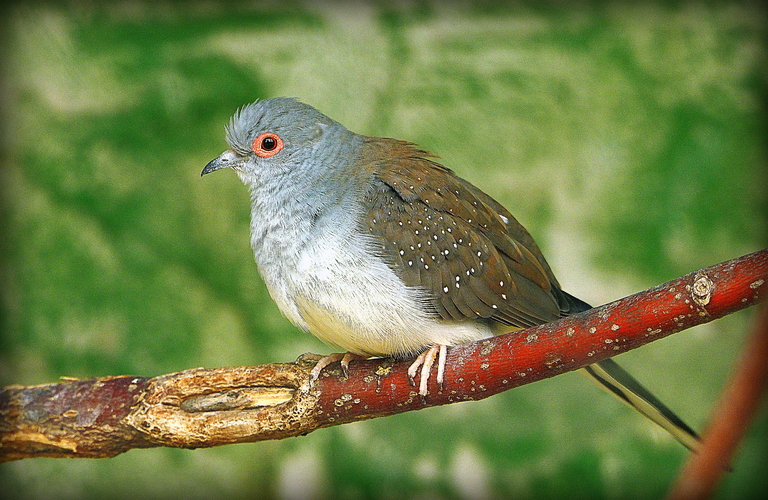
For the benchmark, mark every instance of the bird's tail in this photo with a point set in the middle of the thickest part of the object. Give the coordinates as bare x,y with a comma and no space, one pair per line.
613,378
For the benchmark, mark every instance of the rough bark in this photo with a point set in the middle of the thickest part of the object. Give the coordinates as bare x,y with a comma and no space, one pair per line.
211,407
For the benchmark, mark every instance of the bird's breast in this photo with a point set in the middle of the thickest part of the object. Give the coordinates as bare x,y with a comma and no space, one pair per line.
345,294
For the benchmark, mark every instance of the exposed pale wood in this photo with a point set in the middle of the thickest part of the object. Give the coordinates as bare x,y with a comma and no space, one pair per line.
211,407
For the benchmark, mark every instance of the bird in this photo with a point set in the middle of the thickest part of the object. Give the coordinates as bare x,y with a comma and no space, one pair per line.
373,246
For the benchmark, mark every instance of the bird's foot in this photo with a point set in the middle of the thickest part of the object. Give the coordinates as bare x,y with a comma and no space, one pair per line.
323,361
425,360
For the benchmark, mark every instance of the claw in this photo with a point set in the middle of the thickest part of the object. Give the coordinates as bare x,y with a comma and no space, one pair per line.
414,368
425,360
345,362
309,356
323,362
343,358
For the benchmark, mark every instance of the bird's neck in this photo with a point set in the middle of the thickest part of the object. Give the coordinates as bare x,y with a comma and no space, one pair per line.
286,222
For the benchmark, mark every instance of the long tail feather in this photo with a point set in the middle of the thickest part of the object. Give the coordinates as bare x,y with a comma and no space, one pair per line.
621,384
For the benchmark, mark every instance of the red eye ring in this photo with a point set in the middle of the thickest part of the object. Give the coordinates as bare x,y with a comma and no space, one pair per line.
267,144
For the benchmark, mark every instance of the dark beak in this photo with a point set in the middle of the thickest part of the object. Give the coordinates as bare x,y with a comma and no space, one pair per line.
226,159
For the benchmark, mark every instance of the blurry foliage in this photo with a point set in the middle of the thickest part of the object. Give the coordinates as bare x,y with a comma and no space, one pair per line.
630,140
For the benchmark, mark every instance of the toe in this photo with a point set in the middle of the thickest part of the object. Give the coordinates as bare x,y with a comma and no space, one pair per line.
323,362
349,356
414,368
423,365
343,358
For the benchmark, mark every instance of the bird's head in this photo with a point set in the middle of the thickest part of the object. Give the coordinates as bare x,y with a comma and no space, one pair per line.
282,140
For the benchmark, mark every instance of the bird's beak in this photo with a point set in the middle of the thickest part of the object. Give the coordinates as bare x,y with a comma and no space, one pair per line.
226,159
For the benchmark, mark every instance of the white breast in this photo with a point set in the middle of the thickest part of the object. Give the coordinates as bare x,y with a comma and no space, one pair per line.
345,295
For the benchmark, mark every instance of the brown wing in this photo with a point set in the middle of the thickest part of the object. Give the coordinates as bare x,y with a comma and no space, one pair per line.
447,237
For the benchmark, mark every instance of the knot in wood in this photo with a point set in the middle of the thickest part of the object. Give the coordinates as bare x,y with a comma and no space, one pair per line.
701,290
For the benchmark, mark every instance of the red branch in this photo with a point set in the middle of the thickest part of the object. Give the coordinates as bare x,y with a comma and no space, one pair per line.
481,369
738,404
210,407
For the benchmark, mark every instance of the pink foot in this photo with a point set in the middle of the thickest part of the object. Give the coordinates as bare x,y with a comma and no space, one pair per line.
324,361
425,360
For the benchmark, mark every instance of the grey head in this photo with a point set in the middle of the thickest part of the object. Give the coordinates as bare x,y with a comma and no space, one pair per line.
302,171
283,144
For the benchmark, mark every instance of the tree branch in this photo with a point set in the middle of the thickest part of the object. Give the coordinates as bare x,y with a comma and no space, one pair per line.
211,407
730,421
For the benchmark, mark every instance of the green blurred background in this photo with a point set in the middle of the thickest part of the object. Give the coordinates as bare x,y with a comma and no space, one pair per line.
629,139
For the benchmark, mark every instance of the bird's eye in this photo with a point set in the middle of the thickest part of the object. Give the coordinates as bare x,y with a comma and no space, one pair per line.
267,144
